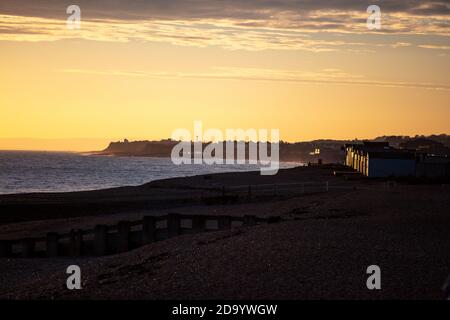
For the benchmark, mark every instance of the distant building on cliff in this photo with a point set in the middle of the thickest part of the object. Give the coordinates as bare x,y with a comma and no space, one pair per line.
379,160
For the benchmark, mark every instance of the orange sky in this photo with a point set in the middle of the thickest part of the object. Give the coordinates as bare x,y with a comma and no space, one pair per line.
119,77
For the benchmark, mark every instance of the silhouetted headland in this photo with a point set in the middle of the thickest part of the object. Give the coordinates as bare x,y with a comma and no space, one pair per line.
330,150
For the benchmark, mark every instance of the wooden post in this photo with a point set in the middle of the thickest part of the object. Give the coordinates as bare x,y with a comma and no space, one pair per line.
5,248
223,192
149,230
249,191
224,222
173,224
274,189
199,223
27,248
249,220
52,244
123,236
100,240
303,188
76,242
327,188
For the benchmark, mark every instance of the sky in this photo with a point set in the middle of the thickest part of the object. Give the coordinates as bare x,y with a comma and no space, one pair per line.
142,69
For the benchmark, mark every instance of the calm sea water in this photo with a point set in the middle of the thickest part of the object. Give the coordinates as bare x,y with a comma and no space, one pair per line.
24,171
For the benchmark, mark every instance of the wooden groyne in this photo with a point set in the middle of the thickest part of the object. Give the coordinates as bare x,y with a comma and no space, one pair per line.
123,236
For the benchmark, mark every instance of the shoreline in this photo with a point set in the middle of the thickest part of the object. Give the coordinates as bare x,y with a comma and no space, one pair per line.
228,168
163,192
320,250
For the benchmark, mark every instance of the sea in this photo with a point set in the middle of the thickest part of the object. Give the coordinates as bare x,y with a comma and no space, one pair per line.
39,171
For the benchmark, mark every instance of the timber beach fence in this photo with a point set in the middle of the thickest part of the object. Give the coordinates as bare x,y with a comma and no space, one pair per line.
294,188
124,236
282,189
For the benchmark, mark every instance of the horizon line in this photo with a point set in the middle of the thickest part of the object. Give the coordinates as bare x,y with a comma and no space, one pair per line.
38,149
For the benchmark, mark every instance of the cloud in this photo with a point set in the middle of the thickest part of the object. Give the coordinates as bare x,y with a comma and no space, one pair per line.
325,76
231,24
223,33
213,9
400,44
435,47
200,33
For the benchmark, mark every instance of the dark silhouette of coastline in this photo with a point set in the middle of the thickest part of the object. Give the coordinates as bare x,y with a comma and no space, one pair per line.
330,150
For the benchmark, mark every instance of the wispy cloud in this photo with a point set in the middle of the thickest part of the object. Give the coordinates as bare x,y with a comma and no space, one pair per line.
234,24
221,9
325,76
226,34
434,47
